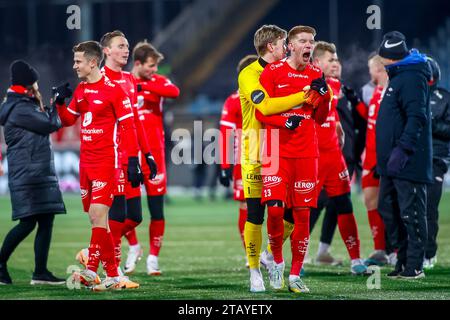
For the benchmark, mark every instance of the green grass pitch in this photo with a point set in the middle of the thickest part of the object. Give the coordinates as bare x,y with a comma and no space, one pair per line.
202,258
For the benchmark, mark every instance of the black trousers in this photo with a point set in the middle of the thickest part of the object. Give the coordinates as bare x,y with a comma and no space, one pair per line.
434,194
402,205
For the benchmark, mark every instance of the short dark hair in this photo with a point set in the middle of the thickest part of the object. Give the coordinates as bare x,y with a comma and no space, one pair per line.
91,49
143,50
245,61
105,41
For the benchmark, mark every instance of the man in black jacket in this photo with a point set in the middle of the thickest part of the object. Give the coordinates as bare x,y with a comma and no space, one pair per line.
404,154
440,120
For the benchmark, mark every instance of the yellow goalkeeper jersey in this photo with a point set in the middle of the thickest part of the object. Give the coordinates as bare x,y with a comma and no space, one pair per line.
253,96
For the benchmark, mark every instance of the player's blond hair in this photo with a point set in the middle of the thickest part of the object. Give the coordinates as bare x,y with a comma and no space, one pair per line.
143,50
105,41
91,50
266,34
245,61
321,47
299,29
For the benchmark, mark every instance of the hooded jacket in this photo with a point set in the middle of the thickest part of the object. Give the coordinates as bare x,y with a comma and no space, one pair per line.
32,180
404,119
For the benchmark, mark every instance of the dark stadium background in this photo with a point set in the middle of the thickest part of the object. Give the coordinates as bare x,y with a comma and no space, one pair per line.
204,39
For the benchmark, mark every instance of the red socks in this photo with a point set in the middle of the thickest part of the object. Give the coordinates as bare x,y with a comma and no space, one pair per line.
349,233
241,223
97,235
129,231
275,230
156,231
377,227
299,239
102,248
116,228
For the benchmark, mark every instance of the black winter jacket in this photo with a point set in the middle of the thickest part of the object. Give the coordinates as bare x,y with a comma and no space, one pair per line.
404,119
32,180
440,115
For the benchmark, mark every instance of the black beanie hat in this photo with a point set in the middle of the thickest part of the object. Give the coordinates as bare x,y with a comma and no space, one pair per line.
393,46
23,74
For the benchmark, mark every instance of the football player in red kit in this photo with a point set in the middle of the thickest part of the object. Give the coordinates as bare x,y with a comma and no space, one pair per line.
333,173
370,180
230,127
292,181
106,111
152,88
116,50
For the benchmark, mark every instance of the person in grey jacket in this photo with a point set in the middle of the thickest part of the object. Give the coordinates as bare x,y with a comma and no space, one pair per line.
404,153
33,185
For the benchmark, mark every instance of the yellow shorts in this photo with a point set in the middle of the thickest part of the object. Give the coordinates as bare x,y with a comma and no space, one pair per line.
252,180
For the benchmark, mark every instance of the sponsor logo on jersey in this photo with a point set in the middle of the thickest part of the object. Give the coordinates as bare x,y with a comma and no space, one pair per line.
90,91
84,193
158,179
87,120
297,75
304,186
253,177
344,175
289,114
271,181
120,81
98,101
98,185
127,103
280,86
275,66
257,96
91,131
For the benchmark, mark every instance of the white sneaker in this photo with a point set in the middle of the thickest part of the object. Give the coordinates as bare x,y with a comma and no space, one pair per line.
126,283
152,266
428,264
296,285
392,259
276,276
256,281
134,255
108,284
266,260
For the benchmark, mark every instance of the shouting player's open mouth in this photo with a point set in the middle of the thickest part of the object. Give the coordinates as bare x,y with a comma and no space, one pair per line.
306,56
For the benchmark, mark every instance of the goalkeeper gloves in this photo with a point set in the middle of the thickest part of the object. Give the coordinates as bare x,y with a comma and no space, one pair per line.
134,172
293,122
61,93
225,177
151,164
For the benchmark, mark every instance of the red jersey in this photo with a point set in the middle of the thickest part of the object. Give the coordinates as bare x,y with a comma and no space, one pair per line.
128,83
102,105
153,93
279,79
327,136
370,159
231,119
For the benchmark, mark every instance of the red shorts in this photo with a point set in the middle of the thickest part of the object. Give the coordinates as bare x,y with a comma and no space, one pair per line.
368,178
238,188
97,186
294,183
333,174
157,186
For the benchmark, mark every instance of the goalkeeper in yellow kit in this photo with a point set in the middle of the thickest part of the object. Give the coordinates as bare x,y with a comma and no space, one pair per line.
270,44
